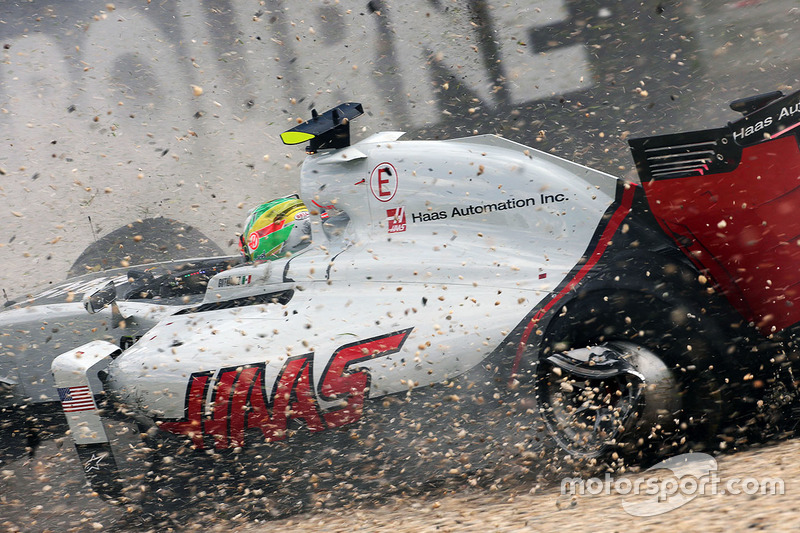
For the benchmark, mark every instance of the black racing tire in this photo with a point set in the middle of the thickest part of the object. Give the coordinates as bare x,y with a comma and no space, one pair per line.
689,343
145,241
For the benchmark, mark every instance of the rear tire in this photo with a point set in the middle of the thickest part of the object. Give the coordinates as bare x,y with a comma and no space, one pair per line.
688,344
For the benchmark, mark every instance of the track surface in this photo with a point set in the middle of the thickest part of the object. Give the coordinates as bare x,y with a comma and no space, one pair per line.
535,508
47,494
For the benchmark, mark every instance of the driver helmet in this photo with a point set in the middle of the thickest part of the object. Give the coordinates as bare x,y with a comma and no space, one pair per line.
275,229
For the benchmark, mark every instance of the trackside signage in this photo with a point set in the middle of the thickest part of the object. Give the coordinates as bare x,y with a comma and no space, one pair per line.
671,484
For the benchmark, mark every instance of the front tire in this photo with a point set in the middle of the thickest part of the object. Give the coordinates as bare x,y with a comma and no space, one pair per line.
145,241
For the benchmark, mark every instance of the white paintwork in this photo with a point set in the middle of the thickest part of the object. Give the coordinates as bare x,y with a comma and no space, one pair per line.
462,282
77,368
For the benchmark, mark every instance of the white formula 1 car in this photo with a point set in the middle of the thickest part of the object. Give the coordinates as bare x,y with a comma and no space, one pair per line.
466,298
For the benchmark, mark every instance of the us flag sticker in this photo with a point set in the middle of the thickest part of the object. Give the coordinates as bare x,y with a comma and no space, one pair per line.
397,219
74,399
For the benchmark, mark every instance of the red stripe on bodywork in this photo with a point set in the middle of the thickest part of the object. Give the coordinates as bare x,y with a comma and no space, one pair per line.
602,244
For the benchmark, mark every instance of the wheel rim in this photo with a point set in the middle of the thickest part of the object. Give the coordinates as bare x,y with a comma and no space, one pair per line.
593,398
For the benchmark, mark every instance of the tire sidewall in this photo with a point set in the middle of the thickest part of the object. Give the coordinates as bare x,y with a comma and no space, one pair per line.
687,341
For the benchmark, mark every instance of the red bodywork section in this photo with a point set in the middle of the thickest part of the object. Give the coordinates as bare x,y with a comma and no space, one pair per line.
743,228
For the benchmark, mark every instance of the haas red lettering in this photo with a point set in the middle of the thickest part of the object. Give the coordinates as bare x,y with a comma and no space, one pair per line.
239,400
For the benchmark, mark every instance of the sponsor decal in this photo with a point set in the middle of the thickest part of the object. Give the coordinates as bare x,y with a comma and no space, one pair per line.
789,111
480,209
94,462
383,182
234,280
76,399
428,216
242,401
397,219
752,129
511,203
770,126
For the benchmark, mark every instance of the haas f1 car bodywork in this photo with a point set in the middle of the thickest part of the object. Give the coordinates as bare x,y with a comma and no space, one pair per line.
35,330
447,278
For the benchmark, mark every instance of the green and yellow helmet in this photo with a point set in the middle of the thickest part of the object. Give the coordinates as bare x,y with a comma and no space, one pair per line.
275,229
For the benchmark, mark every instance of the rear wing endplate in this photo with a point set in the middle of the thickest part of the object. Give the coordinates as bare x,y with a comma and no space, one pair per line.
718,150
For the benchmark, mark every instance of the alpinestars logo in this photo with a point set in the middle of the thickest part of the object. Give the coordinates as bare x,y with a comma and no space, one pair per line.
397,219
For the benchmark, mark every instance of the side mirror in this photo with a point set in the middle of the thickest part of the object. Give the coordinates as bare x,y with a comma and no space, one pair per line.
100,299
